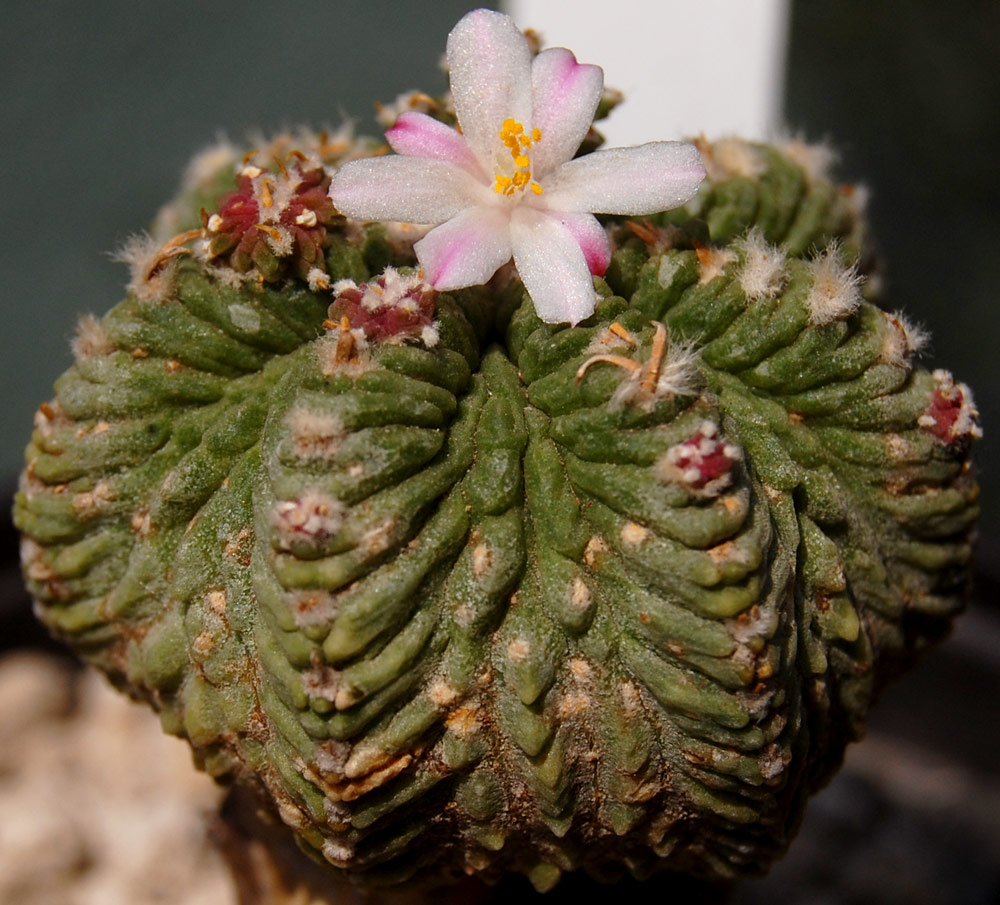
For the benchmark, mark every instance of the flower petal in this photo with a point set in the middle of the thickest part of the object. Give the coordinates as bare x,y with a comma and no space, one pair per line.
551,265
419,135
489,65
411,189
465,251
641,180
590,236
564,96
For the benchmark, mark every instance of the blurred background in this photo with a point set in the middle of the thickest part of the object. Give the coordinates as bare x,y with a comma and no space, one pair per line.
104,103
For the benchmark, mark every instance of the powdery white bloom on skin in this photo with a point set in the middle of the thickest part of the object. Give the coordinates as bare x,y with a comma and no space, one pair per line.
506,184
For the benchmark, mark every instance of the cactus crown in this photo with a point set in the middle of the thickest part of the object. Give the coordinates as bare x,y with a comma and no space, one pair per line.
467,591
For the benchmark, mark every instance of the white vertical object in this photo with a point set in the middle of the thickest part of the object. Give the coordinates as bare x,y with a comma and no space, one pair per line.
698,66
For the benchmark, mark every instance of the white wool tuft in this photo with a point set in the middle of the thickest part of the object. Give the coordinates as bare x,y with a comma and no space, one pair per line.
151,272
834,293
816,159
314,435
679,376
712,263
280,241
208,163
311,518
731,156
91,339
763,271
903,339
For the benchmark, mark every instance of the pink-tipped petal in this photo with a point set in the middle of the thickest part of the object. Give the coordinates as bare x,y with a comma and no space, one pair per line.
643,180
565,95
412,189
591,237
465,251
552,266
489,65
419,135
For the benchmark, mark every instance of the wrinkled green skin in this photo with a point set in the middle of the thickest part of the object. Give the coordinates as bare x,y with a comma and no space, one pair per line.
550,658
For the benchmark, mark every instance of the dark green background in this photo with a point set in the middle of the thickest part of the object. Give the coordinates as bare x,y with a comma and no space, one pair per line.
103,103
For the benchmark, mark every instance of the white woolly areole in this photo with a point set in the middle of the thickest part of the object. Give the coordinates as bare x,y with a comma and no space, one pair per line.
816,160
712,263
314,435
91,339
208,163
312,518
679,376
233,279
151,273
902,339
763,271
731,156
834,293
330,362
311,606
317,279
430,336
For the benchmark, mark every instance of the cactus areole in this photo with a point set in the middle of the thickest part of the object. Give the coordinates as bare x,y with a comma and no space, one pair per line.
482,534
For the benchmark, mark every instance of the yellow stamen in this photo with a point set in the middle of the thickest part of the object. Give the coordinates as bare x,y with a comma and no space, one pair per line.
265,191
655,362
513,138
618,360
622,333
270,230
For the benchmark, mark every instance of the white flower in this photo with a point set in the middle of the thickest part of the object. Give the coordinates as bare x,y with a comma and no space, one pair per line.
504,184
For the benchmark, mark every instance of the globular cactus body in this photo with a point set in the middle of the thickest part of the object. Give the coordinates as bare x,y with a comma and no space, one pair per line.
463,591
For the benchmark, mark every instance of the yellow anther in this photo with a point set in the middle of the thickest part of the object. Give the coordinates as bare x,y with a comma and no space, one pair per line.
513,137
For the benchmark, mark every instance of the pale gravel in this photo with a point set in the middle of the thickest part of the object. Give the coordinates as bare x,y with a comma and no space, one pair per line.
97,805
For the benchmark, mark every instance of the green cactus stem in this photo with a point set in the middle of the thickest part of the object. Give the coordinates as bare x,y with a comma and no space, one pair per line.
462,591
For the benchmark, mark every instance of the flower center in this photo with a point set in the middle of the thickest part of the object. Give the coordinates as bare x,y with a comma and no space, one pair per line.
518,142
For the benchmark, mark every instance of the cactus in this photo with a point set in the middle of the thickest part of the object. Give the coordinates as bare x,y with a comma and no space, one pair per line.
464,591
